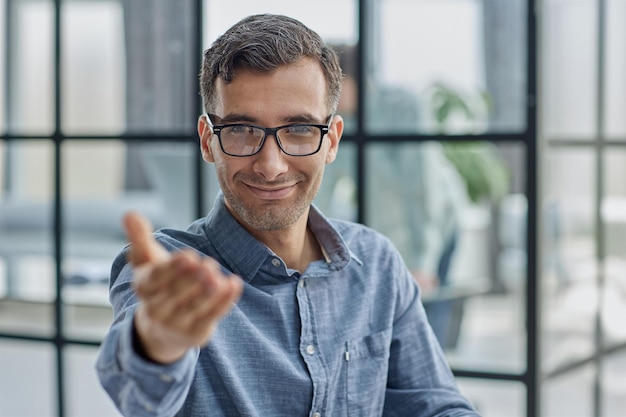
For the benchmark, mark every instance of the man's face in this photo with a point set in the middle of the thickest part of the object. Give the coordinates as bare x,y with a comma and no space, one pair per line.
271,190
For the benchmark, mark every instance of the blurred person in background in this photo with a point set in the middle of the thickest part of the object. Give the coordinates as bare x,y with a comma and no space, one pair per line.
422,193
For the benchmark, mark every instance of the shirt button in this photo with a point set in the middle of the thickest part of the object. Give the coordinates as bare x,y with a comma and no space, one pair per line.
310,349
275,262
301,283
317,415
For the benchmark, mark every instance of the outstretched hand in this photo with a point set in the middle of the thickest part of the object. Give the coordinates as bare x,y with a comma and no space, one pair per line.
182,295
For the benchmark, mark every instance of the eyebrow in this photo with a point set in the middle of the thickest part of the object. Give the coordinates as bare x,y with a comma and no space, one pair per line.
243,118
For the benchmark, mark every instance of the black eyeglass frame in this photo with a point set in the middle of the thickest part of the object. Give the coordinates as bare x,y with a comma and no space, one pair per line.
217,130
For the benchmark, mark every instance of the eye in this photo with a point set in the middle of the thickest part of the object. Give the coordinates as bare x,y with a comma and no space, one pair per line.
239,129
300,130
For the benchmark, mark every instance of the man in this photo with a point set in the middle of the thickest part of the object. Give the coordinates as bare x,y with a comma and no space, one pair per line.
266,307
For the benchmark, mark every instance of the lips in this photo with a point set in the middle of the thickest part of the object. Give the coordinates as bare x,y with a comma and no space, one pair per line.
270,193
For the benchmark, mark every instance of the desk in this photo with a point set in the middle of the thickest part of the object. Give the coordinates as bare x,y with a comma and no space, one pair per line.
445,306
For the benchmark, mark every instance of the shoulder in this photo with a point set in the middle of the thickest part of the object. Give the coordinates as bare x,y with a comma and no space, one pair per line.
380,267
365,242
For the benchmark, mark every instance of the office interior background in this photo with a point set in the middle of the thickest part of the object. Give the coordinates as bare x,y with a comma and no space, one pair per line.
520,102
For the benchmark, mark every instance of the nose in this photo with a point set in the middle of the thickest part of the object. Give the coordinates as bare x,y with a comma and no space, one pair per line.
270,161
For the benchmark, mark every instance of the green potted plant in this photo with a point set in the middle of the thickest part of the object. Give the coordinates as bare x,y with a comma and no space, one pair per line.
483,170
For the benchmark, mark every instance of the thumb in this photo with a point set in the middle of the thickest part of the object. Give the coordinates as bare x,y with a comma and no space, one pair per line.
144,248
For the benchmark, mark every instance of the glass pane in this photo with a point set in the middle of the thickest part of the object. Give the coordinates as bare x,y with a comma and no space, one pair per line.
568,68
30,70
569,303
348,102
4,165
26,380
93,78
85,314
615,91
337,197
27,276
613,388
26,317
569,395
95,178
211,187
462,69
128,66
3,71
170,169
27,271
94,202
457,214
614,218
337,27
85,396
495,398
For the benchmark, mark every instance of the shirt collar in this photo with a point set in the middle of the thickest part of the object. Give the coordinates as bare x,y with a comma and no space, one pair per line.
243,254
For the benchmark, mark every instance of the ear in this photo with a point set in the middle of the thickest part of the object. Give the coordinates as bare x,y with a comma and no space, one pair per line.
334,135
205,133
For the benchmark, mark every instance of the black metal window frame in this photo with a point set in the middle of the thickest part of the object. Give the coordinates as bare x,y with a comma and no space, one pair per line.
530,378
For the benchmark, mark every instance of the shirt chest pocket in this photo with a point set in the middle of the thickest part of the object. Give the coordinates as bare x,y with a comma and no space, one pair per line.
367,363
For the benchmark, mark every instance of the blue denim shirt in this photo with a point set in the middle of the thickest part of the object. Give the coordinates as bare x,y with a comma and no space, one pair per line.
348,337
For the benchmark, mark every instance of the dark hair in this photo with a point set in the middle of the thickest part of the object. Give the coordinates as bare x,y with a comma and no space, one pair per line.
262,43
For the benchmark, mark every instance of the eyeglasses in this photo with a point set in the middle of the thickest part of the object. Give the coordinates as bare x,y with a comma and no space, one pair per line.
298,139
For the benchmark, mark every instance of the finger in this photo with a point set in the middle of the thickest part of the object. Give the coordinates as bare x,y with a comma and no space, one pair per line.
209,284
232,291
173,308
218,293
144,248
224,293
167,276
207,323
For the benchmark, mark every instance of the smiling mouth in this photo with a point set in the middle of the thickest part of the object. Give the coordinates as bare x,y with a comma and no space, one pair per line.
273,193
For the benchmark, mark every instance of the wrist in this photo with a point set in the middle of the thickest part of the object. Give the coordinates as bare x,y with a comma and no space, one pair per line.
150,343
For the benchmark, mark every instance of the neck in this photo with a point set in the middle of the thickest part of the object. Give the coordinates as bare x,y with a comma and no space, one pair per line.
297,246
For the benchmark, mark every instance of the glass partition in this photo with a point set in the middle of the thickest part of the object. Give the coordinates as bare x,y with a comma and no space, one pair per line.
125,136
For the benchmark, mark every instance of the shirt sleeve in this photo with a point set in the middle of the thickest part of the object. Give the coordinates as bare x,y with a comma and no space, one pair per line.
137,386
419,376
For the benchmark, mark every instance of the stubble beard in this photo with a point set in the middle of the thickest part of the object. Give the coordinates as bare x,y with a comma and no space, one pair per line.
271,215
